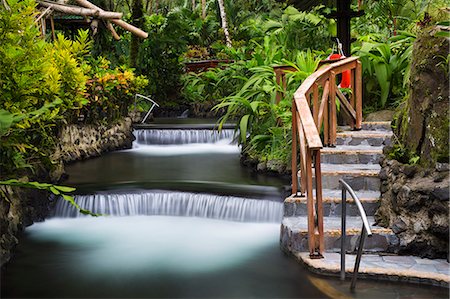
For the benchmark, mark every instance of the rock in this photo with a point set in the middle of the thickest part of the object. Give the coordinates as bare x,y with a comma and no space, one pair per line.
383,115
276,166
399,226
409,170
441,194
442,167
261,166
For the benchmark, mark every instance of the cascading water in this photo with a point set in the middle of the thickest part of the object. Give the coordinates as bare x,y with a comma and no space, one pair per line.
175,204
181,136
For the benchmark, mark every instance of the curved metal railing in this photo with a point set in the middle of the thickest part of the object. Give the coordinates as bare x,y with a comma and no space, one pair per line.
364,231
154,104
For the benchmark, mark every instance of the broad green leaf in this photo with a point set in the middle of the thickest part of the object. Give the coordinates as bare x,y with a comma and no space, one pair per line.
243,126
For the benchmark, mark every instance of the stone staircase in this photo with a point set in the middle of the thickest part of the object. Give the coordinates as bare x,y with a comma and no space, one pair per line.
354,159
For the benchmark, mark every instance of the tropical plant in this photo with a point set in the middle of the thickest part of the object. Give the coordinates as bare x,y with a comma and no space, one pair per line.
386,67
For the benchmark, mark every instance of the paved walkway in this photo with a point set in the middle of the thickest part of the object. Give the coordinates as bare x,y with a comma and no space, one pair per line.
386,267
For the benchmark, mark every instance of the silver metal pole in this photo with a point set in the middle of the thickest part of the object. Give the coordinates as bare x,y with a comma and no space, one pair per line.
358,258
343,231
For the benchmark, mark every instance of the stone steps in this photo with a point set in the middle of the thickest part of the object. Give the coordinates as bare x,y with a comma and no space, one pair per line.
364,137
347,154
294,235
332,204
371,126
354,159
358,176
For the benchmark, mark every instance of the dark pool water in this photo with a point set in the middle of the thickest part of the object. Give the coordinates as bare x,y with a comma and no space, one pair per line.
172,256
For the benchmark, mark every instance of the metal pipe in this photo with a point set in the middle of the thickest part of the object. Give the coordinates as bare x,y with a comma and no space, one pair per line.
362,213
358,258
343,231
365,230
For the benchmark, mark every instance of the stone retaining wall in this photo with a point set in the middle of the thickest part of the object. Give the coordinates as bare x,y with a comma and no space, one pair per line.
415,204
25,206
78,142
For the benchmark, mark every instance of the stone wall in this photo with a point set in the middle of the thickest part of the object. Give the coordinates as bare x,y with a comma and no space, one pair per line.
415,204
78,142
21,207
415,198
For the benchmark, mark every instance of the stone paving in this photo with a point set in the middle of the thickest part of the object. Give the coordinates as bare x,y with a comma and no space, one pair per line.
386,267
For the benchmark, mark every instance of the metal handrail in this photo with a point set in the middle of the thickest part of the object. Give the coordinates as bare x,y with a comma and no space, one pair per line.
365,230
148,99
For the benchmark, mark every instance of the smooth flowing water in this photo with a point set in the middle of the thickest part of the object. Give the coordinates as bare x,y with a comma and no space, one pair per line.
184,221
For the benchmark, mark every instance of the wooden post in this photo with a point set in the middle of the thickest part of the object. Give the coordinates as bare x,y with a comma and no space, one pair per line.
352,95
310,205
319,204
278,94
358,87
52,25
303,155
294,150
332,117
326,117
315,105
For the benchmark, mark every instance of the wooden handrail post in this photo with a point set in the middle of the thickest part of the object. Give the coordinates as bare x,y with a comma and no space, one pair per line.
319,206
353,96
278,94
310,206
332,116
315,103
294,150
358,87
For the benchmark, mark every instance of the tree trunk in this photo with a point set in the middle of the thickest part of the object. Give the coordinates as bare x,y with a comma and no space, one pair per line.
137,14
223,17
203,9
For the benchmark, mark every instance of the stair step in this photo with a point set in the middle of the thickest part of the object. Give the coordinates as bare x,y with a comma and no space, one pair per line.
372,126
364,137
348,154
358,176
294,235
331,202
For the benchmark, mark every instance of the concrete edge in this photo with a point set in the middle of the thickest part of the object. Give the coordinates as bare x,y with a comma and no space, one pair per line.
317,266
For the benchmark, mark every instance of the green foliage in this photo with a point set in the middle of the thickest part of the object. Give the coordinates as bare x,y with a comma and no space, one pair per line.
44,85
57,190
386,67
160,55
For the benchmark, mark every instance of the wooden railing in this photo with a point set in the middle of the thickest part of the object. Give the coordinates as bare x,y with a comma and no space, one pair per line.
313,111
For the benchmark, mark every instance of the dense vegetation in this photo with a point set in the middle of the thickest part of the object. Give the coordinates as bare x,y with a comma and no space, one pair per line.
46,84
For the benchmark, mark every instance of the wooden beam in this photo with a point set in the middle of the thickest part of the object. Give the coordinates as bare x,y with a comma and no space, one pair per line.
110,27
124,25
323,106
81,11
345,104
307,122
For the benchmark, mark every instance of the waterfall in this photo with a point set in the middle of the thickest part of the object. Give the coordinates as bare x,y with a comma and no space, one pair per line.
181,136
175,204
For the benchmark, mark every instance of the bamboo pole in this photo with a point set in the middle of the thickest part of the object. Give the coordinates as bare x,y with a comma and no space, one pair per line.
81,11
110,27
52,25
124,25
